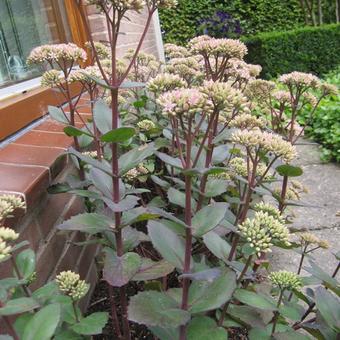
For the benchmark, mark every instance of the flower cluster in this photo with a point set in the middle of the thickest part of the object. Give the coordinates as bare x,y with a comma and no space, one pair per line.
175,51
221,175
132,174
161,3
92,154
270,210
225,99
228,48
247,121
184,102
52,78
263,231
119,5
300,79
240,70
7,235
239,167
285,280
190,69
266,141
8,203
259,89
86,75
165,82
310,239
71,285
293,192
283,97
329,89
56,53
146,125
102,50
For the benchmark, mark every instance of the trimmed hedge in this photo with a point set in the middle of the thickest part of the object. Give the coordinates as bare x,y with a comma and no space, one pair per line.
308,49
181,23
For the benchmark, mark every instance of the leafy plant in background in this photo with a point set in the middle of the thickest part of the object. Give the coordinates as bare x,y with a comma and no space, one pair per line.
324,127
220,25
51,310
175,175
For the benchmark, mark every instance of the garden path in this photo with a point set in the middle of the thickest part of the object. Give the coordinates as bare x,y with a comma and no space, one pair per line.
323,220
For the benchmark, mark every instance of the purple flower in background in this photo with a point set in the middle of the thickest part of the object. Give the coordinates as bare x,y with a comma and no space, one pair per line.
220,25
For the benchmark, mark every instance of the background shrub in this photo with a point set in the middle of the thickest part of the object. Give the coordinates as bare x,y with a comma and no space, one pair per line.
182,23
325,127
308,49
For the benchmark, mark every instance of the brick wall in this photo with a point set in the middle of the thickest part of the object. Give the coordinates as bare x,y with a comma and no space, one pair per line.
132,31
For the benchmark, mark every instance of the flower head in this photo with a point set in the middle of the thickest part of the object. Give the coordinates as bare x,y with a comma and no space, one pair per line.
86,75
283,97
92,154
247,121
311,239
175,51
54,53
225,99
285,280
239,167
132,174
184,102
262,231
119,5
102,50
8,234
162,3
269,209
165,82
259,89
189,68
300,79
228,48
52,78
5,250
8,203
71,285
266,141
146,125
329,89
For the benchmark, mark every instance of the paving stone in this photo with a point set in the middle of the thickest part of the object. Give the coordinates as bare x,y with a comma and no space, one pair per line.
323,182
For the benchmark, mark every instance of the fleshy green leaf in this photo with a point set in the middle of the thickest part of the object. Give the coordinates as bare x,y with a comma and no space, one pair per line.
102,115
215,187
175,162
72,131
125,204
289,170
91,223
118,271
205,328
118,135
178,198
57,114
329,307
167,243
211,295
150,270
217,245
92,324
44,323
26,263
208,218
255,299
153,308
18,306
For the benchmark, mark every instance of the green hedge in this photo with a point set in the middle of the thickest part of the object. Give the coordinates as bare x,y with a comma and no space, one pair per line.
181,23
308,49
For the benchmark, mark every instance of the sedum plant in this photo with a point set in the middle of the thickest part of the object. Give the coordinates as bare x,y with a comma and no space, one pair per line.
175,164
50,311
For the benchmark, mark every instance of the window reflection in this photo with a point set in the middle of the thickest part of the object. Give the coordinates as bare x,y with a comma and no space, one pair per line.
25,24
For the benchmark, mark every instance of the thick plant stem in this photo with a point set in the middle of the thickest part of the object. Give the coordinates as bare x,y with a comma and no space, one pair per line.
283,194
188,233
116,199
114,315
246,266
276,316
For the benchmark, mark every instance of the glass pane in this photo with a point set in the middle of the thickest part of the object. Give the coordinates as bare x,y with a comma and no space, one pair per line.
25,24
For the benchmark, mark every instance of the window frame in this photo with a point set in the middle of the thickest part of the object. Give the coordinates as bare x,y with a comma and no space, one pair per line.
32,103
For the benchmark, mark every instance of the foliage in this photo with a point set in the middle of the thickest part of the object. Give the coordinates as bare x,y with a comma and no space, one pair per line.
324,128
308,49
173,176
180,24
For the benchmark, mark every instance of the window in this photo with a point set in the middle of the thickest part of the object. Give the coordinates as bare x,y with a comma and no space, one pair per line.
25,24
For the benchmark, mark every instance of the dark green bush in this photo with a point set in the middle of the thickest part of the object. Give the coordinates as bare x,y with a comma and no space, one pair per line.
308,49
182,23
325,127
